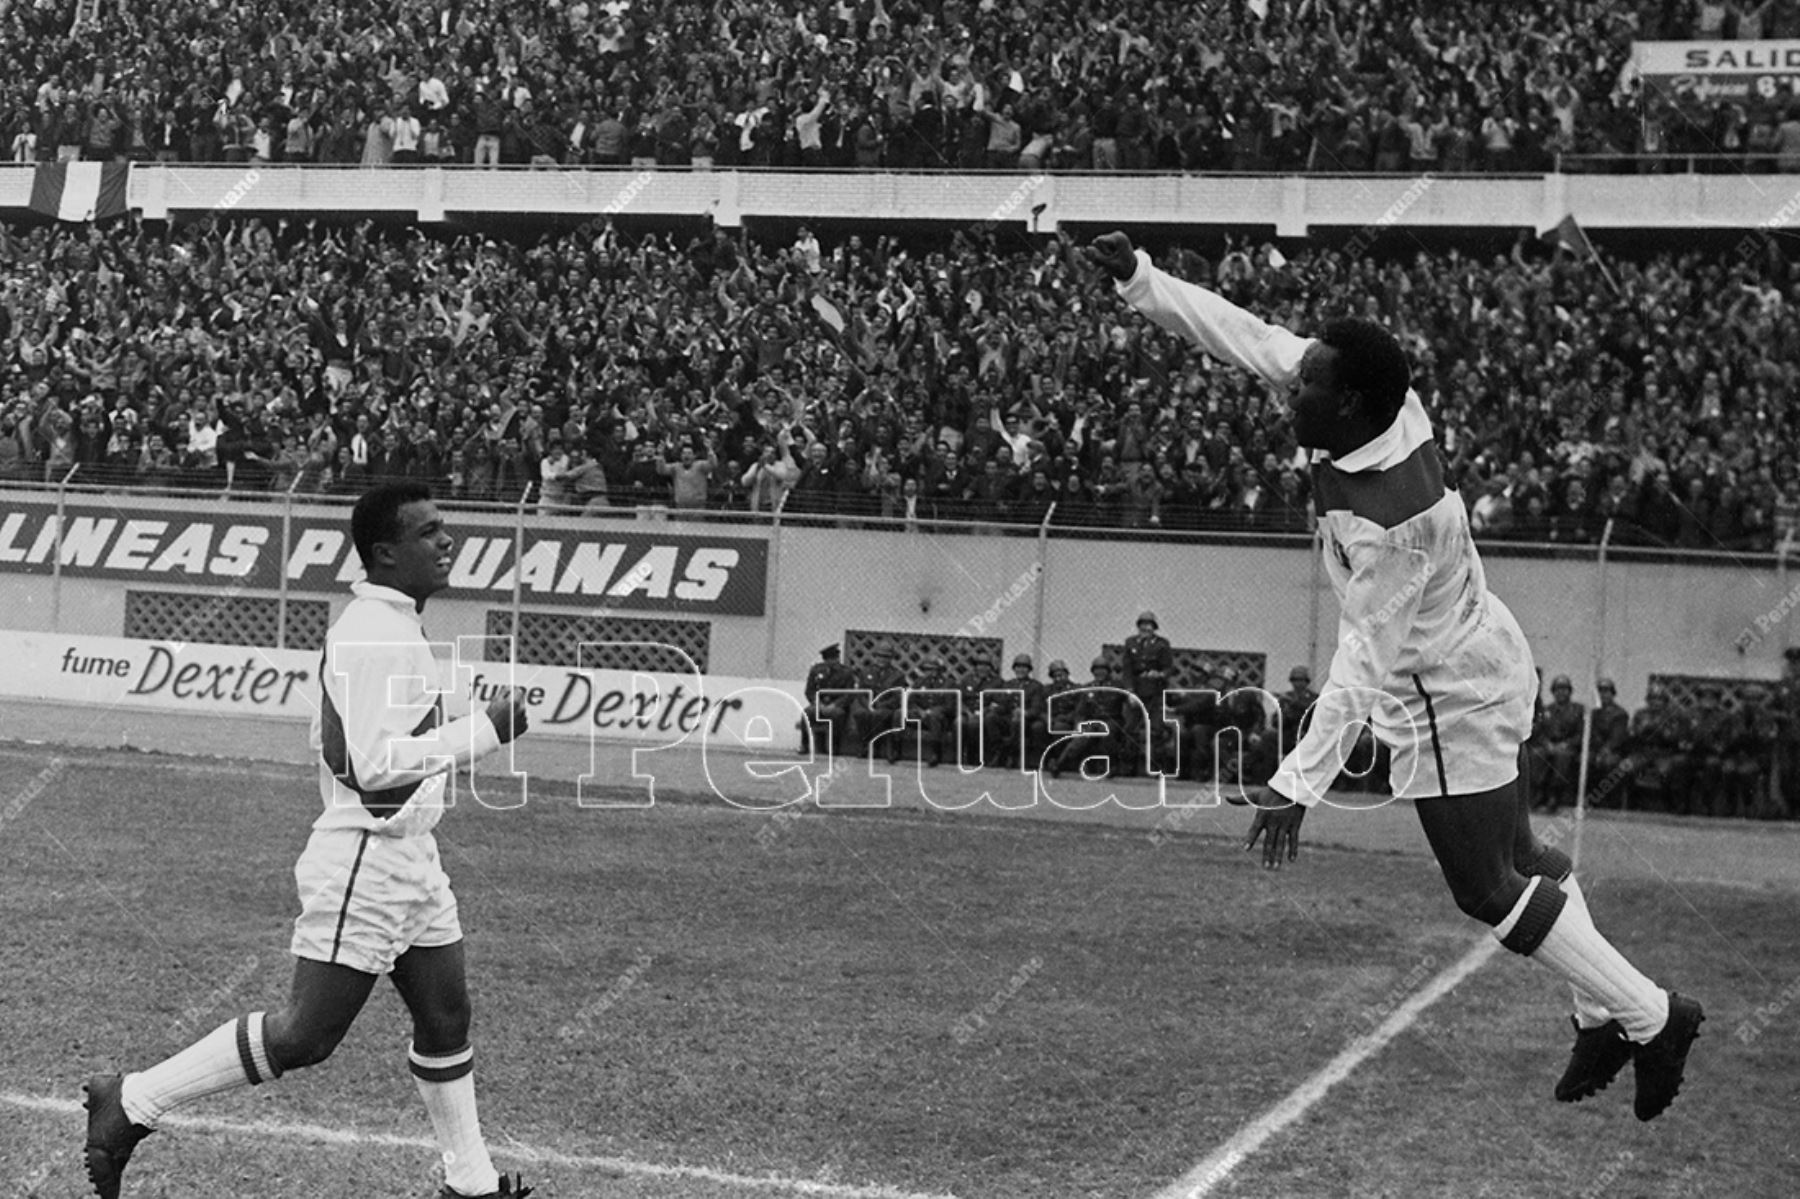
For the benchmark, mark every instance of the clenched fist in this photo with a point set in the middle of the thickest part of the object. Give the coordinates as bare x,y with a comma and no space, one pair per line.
1112,253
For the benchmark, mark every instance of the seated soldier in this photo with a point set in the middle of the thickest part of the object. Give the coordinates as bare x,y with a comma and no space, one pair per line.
982,678
1201,718
1003,712
1038,733
1750,755
880,713
826,727
1607,747
1561,742
1102,704
1713,728
1658,730
935,704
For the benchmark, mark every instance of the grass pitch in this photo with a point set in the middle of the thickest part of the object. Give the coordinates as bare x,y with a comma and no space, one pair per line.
927,1004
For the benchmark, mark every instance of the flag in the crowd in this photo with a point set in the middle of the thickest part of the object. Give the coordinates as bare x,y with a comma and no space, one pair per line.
79,191
851,336
1277,259
828,312
1569,234
1260,8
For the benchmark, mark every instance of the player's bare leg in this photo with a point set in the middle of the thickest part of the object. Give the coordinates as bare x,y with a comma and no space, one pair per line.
249,1050
1475,838
433,982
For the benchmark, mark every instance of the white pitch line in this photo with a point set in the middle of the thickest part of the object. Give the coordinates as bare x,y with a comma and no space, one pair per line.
1218,1165
525,1153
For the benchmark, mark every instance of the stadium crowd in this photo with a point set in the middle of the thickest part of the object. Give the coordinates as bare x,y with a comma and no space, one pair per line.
1330,85
976,382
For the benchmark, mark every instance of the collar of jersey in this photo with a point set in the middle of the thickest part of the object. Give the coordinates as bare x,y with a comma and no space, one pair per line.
1410,430
387,595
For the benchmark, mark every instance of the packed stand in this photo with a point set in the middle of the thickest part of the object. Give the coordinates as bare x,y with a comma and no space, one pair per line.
1323,85
976,382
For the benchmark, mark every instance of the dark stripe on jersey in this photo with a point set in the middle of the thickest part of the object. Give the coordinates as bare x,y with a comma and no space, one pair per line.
246,1059
1437,749
349,885
443,1073
334,748
1387,497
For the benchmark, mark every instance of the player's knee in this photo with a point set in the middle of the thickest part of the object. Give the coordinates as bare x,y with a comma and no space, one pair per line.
295,1046
1485,900
445,1029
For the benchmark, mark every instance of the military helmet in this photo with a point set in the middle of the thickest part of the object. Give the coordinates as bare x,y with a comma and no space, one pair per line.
1561,680
1023,660
1148,618
1058,665
1101,664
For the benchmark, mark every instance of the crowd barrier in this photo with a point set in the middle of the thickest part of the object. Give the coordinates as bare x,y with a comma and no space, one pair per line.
1292,205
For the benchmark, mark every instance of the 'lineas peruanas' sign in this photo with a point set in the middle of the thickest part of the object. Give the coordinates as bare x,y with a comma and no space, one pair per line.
627,568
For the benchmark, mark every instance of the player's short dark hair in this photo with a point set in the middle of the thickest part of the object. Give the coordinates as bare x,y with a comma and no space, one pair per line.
1371,363
376,516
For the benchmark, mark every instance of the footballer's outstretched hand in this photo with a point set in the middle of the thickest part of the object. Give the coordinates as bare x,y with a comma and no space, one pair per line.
1112,253
1278,823
507,711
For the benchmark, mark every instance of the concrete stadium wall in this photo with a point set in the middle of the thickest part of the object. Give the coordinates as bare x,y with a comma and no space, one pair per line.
1719,615
1291,204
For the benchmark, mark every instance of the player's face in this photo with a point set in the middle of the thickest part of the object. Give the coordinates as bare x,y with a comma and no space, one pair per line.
421,554
1316,399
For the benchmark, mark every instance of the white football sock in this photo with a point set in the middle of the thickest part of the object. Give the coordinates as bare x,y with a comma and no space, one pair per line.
447,1085
1574,948
231,1055
1589,1013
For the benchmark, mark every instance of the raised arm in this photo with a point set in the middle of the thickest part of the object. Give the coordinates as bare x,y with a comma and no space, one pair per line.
1203,317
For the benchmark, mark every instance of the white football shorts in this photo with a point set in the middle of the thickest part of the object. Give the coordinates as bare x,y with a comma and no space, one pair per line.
365,899
1455,726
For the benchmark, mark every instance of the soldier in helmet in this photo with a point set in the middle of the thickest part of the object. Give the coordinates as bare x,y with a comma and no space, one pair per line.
1714,727
1037,717
1149,665
1561,743
934,704
1658,730
1749,755
1104,704
886,684
1000,714
1296,708
982,677
1201,719
1607,746
1243,749
825,710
